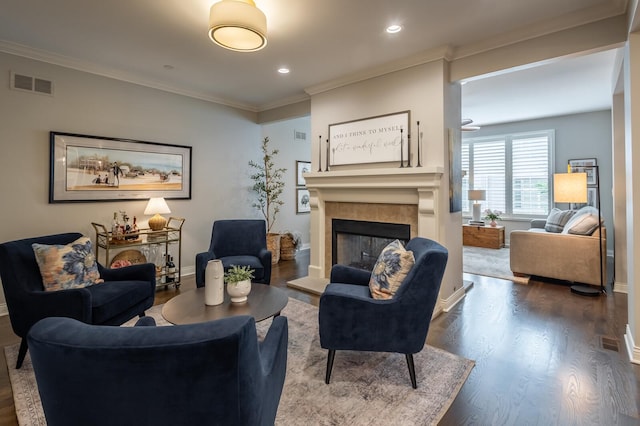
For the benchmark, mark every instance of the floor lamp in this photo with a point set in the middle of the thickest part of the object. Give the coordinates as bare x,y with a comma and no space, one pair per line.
572,188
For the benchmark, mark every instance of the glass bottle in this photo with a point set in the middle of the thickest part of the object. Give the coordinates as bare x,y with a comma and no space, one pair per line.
171,269
115,227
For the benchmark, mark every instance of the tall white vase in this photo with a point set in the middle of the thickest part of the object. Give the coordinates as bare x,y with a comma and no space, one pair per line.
214,283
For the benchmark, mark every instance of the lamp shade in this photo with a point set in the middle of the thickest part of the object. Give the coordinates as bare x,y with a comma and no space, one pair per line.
238,25
570,187
157,206
477,194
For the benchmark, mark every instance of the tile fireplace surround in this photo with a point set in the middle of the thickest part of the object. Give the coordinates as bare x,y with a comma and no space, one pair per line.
408,195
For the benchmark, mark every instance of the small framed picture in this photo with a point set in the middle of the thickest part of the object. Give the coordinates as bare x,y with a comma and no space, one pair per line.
302,167
592,197
303,201
586,165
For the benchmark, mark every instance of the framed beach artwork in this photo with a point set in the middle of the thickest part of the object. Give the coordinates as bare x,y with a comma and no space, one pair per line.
87,168
303,201
302,167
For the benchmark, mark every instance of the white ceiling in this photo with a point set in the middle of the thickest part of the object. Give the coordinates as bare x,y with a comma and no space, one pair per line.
566,86
164,44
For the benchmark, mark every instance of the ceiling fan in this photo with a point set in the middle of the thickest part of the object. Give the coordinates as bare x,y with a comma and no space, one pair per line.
465,126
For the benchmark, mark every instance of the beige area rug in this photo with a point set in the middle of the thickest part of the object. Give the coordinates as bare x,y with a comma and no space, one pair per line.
490,263
366,388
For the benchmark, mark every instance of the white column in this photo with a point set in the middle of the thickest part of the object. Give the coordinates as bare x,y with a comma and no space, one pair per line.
632,155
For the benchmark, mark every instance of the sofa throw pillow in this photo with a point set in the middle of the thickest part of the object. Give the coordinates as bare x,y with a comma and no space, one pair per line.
584,222
585,225
67,266
557,220
391,268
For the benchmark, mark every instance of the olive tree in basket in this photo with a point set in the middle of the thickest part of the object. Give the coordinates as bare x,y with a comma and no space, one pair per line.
268,185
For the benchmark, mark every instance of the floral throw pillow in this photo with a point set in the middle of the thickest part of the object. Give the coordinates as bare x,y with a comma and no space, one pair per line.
393,265
67,266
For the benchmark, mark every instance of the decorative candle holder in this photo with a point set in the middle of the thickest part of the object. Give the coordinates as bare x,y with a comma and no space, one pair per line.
401,150
319,153
419,143
327,160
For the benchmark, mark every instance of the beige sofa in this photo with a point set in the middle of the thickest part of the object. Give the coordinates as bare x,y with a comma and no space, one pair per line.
554,255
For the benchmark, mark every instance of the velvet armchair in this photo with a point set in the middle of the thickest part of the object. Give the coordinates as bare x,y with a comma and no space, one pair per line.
207,373
124,294
237,242
350,319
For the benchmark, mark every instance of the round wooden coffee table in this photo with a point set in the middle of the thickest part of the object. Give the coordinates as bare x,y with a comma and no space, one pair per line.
263,302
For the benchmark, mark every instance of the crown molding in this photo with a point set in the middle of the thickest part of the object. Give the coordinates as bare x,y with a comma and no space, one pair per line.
634,16
430,55
284,102
85,66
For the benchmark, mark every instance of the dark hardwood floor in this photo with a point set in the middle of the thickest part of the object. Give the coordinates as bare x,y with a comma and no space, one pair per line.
543,355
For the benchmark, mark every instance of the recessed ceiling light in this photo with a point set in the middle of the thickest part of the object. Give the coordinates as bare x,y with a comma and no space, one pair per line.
392,29
283,70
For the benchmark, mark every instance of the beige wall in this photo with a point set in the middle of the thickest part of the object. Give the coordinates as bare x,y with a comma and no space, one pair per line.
425,91
223,140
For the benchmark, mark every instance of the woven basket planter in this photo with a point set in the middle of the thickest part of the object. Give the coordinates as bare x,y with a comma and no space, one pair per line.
273,245
287,247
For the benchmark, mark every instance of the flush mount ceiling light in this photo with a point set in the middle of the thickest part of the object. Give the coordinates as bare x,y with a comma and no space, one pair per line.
392,29
238,25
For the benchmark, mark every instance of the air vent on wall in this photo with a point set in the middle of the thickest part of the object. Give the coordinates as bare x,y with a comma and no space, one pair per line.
31,84
299,136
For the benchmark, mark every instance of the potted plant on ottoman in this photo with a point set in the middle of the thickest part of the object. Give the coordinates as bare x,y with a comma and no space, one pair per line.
268,185
238,280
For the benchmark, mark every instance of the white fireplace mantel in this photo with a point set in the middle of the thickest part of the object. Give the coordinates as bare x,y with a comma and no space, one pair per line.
419,186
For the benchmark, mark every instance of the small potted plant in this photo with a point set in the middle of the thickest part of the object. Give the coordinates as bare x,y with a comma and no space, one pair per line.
238,280
492,215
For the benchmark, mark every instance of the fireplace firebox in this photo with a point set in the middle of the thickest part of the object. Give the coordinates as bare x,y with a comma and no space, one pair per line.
359,243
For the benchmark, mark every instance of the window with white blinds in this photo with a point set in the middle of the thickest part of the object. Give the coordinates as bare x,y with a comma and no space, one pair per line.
514,170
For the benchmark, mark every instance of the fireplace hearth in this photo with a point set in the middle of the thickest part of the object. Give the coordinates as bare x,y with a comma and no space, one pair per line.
358,243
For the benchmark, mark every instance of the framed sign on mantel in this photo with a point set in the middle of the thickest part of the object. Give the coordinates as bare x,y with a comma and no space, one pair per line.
379,139
94,168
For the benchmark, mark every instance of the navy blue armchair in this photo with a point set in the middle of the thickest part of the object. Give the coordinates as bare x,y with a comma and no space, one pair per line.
125,293
350,319
238,242
207,373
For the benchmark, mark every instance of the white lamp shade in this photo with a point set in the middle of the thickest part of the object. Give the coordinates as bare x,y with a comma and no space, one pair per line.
238,25
157,206
570,187
477,194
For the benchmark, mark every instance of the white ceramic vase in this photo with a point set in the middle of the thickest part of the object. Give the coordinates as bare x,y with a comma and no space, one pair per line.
214,283
239,291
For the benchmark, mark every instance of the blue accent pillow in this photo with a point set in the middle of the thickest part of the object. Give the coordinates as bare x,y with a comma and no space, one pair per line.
67,266
393,265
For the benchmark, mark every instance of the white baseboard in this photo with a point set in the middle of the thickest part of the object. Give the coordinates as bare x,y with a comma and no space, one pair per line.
632,350
619,287
188,270
450,302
